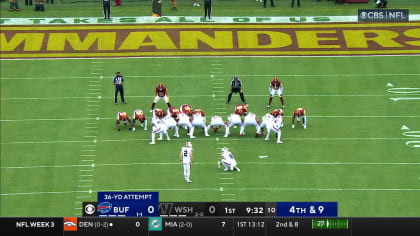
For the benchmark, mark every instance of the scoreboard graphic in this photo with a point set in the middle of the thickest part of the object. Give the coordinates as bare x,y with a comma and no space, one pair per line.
141,213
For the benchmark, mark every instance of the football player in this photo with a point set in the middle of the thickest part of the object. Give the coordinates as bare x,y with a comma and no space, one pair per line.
186,158
273,125
139,115
216,122
158,126
184,120
250,119
241,109
170,124
161,92
233,119
228,161
174,113
299,113
187,109
159,114
276,87
278,114
199,119
122,116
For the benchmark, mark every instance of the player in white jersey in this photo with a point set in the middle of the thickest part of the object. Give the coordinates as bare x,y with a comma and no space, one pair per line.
186,158
228,161
170,124
233,119
265,119
273,125
184,120
158,126
216,122
250,119
200,121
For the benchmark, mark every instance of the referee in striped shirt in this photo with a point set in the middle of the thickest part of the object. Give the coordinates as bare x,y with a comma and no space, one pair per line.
236,87
118,83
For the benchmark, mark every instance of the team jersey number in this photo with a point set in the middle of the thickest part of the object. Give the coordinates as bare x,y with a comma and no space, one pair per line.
185,153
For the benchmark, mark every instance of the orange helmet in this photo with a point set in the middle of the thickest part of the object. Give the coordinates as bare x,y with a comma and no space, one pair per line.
160,85
276,79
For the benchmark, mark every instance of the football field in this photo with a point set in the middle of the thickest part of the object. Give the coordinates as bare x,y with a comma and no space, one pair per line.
59,144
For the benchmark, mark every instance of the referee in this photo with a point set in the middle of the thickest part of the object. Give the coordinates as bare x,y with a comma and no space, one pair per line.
236,87
207,9
106,4
118,83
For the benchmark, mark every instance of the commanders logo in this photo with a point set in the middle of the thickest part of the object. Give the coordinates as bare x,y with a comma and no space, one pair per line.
70,223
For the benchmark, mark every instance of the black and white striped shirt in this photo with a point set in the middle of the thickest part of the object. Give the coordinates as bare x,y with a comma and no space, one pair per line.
236,84
118,80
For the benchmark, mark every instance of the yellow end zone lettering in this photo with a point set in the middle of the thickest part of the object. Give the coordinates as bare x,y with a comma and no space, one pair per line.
202,40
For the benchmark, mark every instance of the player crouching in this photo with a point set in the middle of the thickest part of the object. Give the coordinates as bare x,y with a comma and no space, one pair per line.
272,124
299,113
171,124
122,116
233,119
250,119
216,122
199,119
139,115
158,125
228,161
184,120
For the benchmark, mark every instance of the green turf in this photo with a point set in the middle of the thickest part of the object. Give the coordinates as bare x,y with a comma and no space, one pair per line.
301,169
185,8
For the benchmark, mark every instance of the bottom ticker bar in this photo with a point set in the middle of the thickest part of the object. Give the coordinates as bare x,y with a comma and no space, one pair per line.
219,226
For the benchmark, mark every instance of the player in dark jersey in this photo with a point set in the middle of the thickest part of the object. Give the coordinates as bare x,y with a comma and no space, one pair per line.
276,87
139,115
159,113
174,113
299,113
187,109
122,116
161,92
241,109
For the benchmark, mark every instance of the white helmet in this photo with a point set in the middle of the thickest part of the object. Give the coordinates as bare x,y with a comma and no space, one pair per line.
225,149
188,144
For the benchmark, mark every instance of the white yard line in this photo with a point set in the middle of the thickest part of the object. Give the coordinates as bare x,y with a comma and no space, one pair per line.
97,165
208,139
210,95
110,118
225,76
217,189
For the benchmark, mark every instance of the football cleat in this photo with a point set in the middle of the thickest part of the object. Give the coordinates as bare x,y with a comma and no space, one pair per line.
283,106
237,169
152,143
268,106
240,135
293,126
280,142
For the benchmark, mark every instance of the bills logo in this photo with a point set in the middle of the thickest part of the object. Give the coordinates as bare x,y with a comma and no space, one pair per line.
104,207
